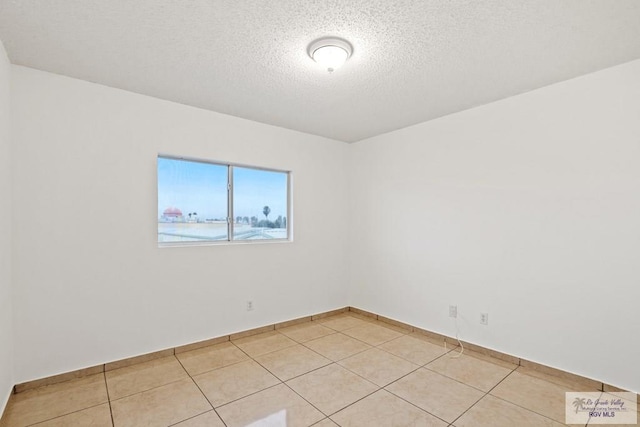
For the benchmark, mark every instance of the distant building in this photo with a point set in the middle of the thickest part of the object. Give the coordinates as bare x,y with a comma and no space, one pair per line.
172,215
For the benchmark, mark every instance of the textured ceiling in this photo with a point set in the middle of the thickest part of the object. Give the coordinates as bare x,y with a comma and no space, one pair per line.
413,60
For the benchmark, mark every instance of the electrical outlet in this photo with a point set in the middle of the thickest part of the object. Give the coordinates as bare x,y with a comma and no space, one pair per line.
453,311
249,305
484,318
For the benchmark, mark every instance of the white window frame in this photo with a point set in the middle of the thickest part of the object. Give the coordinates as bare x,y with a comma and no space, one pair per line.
230,214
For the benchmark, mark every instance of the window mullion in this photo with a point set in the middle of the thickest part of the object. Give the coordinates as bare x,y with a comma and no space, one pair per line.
230,203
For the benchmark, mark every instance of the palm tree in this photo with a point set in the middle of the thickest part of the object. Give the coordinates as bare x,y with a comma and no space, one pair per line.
266,211
579,403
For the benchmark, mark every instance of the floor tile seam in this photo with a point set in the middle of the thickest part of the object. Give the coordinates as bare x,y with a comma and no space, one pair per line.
462,382
314,351
357,374
393,328
413,404
137,365
346,357
405,359
469,408
81,409
351,355
270,332
319,338
267,369
43,388
410,361
357,339
373,345
213,407
216,408
404,376
423,367
446,352
64,415
217,368
324,419
500,382
208,401
242,350
196,384
195,416
482,358
204,350
340,330
271,351
306,400
150,389
113,423
353,403
555,380
401,357
589,419
524,407
333,331
564,387
439,357
349,327
383,386
299,375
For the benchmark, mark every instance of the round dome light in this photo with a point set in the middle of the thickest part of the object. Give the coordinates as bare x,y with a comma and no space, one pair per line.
330,53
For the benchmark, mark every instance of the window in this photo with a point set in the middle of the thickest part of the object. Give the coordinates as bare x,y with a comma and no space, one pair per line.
200,202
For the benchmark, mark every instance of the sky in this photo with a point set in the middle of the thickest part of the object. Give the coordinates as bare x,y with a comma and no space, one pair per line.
202,188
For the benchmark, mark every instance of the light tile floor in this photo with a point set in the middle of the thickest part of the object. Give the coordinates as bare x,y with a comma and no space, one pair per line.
346,370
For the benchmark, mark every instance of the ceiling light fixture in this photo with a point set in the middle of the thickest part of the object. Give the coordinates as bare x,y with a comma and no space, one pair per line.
330,52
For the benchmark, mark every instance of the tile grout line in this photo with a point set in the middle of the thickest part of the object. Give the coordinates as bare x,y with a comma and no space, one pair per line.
313,370
336,361
469,408
61,416
527,409
589,419
216,368
250,394
486,393
284,382
69,413
203,395
405,400
106,386
516,404
379,388
384,388
303,398
147,390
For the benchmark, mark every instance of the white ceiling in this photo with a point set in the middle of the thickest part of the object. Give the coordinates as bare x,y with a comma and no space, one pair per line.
413,60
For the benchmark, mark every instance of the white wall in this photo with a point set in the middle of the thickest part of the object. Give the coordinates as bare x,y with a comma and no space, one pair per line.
528,209
6,324
92,286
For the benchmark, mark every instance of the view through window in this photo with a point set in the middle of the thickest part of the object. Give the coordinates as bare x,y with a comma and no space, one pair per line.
201,202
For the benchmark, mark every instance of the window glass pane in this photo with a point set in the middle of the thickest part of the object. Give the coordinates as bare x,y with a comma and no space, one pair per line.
192,201
259,204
